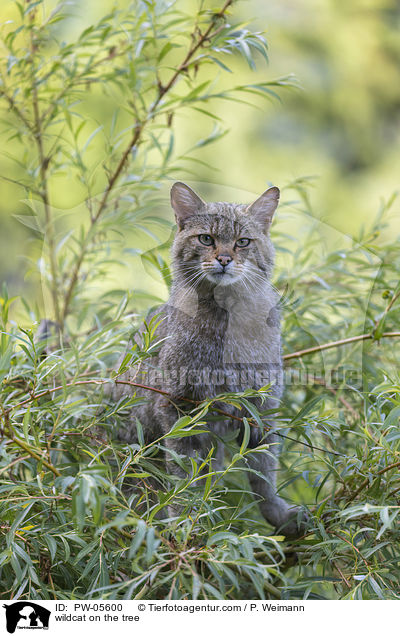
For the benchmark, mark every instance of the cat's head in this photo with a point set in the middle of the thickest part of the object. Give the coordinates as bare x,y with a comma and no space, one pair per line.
222,243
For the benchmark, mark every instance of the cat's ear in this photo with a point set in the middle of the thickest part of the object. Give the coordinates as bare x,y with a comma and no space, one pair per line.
185,202
264,207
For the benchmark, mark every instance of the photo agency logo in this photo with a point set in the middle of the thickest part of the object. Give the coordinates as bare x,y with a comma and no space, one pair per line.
26,615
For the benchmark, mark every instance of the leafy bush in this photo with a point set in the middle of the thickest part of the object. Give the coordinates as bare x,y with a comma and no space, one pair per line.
85,515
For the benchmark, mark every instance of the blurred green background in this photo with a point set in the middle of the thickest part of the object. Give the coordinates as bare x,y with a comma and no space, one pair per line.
341,126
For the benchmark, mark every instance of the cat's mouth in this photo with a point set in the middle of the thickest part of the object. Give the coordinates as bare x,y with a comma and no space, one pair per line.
221,275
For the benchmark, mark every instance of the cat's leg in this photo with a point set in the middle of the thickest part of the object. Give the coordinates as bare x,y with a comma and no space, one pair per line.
283,516
178,450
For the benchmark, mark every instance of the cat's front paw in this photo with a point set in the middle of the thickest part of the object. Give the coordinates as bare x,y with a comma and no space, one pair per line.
295,523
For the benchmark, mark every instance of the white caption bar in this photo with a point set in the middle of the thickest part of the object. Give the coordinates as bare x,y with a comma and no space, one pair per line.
172,618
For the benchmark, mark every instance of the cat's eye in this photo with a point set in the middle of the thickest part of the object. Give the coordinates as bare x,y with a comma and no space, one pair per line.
206,239
243,242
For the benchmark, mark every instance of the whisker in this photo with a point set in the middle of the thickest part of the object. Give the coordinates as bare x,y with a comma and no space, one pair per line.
194,282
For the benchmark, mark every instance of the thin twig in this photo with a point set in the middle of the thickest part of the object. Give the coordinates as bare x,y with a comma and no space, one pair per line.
339,343
381,320
393,492
366,482
53,389
354,548
77,79
12,104
10,434
342,575
19,459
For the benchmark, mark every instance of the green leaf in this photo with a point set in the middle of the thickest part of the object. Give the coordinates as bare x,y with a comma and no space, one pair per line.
246,436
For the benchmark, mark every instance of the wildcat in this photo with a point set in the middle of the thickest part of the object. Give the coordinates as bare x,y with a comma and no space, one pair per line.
219,332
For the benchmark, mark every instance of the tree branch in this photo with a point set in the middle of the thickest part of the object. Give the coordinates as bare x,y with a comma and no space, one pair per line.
338,343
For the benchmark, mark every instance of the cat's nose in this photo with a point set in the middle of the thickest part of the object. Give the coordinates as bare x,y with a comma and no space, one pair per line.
224,259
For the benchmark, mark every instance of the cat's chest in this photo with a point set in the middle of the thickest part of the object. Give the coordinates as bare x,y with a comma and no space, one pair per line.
200,340
237,333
